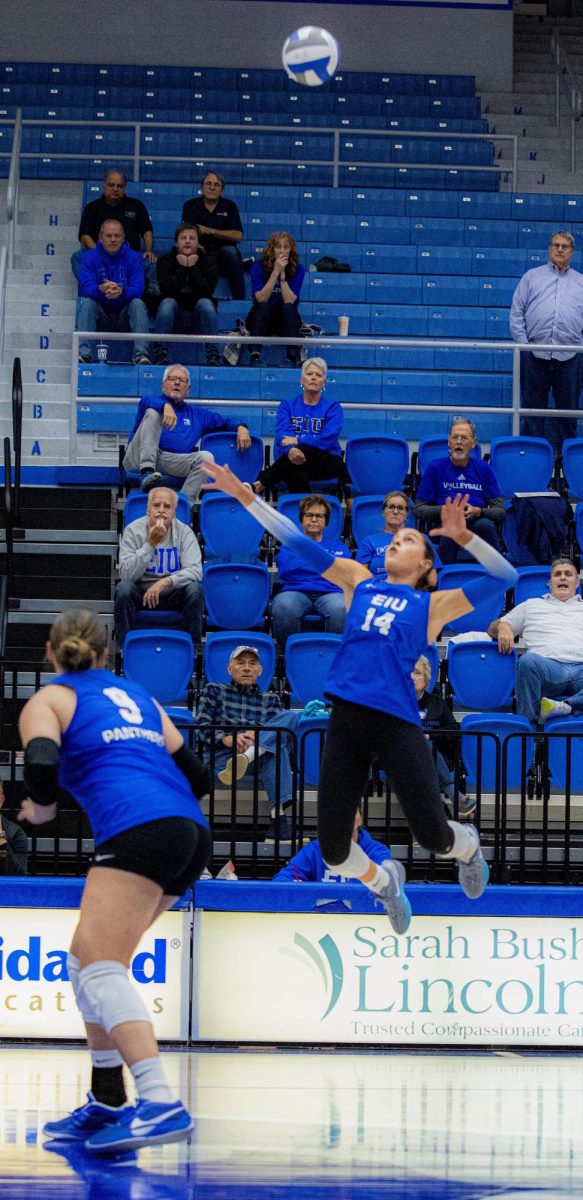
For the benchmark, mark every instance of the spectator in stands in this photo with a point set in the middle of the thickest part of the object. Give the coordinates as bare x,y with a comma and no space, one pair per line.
308,866
13,844
111,284
551,628
159,568
131,212
436,716
547,306
461,472
219,229
302,590
241,703
371,550
167,431
276,283
187,278
307,429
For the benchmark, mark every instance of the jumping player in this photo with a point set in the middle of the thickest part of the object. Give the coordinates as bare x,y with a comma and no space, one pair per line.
375,712
111,746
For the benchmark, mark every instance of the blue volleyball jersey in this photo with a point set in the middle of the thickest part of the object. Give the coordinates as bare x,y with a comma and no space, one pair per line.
114,760
385,632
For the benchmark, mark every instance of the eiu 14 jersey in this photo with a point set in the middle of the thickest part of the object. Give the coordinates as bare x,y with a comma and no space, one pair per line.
385,632
114,760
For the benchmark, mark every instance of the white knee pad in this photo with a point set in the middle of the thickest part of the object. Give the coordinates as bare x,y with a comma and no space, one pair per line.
83,1004
106,989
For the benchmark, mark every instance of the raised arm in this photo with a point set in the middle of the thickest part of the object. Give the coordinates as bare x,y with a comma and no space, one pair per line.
451,603
345,573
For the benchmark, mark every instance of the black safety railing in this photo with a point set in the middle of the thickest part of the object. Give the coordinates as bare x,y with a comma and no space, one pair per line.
8,519
17,435
528,790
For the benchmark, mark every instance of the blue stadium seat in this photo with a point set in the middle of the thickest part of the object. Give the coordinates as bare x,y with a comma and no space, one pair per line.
486,764
308,658
288,504
162,660
444,260
565,754
480,676
490,262
532,583
230,533
309,732
455,576
427,204
434,447
396,358
375,462
459,322
325,286
218,648
480,204
246,464
521,464
452,290
403,320
136,504
236,594
372,201
393,289
413,387
437,231
481,232
572,456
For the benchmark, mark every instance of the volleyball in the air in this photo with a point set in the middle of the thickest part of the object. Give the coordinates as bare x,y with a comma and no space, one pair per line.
311,55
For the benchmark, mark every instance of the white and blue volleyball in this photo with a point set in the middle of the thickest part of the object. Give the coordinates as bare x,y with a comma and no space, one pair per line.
311,55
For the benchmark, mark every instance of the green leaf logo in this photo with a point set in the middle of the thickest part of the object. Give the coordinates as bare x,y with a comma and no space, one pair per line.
325,957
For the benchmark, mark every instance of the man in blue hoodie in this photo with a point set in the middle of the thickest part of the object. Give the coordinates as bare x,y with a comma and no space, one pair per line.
308,866
111,283
167,431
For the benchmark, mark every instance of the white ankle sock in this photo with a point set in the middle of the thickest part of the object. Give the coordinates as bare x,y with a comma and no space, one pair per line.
252,753
380,881
465,842
150,1081
355,864
106,1058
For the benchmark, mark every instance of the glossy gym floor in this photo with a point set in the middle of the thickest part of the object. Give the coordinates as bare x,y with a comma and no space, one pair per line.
278,1124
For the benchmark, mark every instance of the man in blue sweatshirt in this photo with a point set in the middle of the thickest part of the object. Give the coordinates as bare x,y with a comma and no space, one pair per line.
167,431
111,284
308,866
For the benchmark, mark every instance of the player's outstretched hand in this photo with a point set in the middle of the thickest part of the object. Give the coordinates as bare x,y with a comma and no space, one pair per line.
222,479
453,518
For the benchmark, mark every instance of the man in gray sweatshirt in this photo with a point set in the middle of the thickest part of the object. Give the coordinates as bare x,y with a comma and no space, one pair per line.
159,567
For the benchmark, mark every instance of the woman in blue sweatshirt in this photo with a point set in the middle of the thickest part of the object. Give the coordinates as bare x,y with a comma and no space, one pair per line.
307,429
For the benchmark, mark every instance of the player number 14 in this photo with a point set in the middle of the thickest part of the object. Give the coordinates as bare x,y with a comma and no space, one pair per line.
381,621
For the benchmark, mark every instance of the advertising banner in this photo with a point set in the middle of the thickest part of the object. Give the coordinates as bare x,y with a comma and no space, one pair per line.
36,998
346,978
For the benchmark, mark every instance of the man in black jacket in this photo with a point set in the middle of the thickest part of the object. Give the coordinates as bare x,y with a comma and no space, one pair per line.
187,278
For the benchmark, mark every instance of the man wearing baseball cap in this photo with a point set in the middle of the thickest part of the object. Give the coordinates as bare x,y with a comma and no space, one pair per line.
242,704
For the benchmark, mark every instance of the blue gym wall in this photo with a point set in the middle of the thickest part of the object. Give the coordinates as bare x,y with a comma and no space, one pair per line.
234,33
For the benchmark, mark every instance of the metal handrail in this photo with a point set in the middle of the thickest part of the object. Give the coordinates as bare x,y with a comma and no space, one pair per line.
3,280
334,132
13,186
17,433
9,573
566,80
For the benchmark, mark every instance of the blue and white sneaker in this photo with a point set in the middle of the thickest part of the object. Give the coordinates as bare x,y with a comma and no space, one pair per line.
393,899
145,1125
84,1121
473,875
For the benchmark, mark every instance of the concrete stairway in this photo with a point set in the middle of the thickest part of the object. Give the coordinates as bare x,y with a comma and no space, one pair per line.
40,314
529,110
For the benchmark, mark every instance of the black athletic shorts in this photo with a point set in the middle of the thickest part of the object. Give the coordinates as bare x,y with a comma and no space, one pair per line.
171,852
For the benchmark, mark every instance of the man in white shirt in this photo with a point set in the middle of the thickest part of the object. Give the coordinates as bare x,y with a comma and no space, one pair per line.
552,630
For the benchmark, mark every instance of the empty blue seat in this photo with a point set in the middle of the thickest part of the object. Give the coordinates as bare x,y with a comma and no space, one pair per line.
236,594
503,744
162,660
289,504
403,320
456,322
308,659
310,732
479,675
218,648
484,612
480,232
377,463
444,260
452,290
246,464
572,455
565,754
521,464
229,531
393,289
412,387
